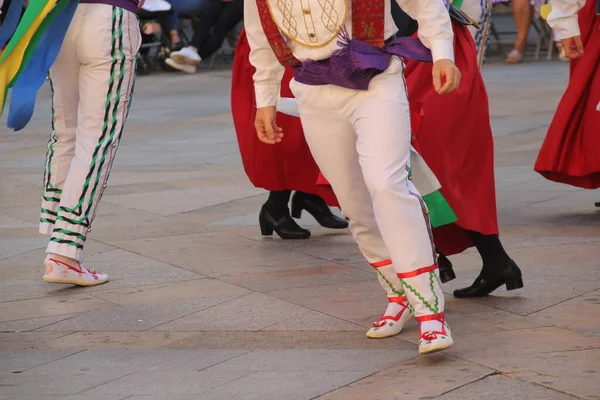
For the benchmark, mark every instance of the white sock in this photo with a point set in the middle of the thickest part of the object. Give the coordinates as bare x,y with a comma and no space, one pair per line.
394,308
434,325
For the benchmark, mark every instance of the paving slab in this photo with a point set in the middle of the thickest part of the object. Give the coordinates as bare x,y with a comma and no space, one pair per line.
8,222
361,302
217,254
406,381
50,306
562,314
134,318
169,202
489,389
13,247
27,340
278,385
28,283
31,324
315,321
167,382
265,282
66,397
552,274
201,306
315,360
170,292
17,361
492,349
112,340
468,317
562,371
54,382
248,312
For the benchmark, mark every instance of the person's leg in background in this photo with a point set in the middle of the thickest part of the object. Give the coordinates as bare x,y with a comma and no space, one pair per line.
231,15
181,9
191,8
105,41
187,59
170,24
522,12
498,268
223,16
275,214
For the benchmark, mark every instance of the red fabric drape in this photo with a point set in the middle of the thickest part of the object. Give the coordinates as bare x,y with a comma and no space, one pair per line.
288,165
455,139
571,151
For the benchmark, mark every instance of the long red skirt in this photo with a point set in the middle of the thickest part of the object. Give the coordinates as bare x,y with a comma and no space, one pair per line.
455,139
452,133
571,151
288,165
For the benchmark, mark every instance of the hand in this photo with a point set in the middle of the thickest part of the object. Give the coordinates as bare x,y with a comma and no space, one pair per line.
573,47
446,77
266,127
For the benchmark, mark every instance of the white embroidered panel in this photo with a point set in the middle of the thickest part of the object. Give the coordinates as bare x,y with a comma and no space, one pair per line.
312,23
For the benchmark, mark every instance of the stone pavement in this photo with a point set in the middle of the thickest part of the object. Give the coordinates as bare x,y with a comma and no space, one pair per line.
200,306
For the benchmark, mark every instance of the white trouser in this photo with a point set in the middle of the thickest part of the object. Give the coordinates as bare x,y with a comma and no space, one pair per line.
92,82
361,143
480,11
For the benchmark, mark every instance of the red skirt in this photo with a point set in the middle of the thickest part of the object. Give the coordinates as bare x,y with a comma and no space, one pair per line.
288,165
571,151
455,139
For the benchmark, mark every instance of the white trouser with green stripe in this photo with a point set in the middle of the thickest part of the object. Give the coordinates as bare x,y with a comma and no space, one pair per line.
92,82
361,142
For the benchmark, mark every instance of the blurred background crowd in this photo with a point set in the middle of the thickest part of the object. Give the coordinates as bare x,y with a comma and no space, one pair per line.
183,35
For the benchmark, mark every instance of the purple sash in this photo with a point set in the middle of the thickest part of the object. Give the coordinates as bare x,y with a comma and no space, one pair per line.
357,62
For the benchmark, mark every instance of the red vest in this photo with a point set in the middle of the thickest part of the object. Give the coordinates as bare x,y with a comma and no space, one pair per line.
368,19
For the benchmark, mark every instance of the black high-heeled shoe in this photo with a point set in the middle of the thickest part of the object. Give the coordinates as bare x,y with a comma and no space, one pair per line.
511,277
316,207
445,268
285,227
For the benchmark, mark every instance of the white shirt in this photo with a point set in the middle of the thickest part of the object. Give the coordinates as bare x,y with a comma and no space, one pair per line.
310,28
563,17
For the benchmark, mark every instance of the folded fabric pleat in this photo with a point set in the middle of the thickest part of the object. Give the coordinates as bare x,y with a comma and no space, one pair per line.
43,50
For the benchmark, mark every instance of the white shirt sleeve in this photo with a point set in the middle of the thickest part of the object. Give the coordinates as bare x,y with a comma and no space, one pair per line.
563,17
269,72
435,28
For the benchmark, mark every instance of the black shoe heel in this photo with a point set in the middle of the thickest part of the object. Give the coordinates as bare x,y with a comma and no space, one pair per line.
296,210
447,276
265,228
445,269
316,206
285,227
514,284
510,277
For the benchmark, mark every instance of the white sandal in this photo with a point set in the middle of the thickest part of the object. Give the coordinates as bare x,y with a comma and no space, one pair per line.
514,56
562,56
